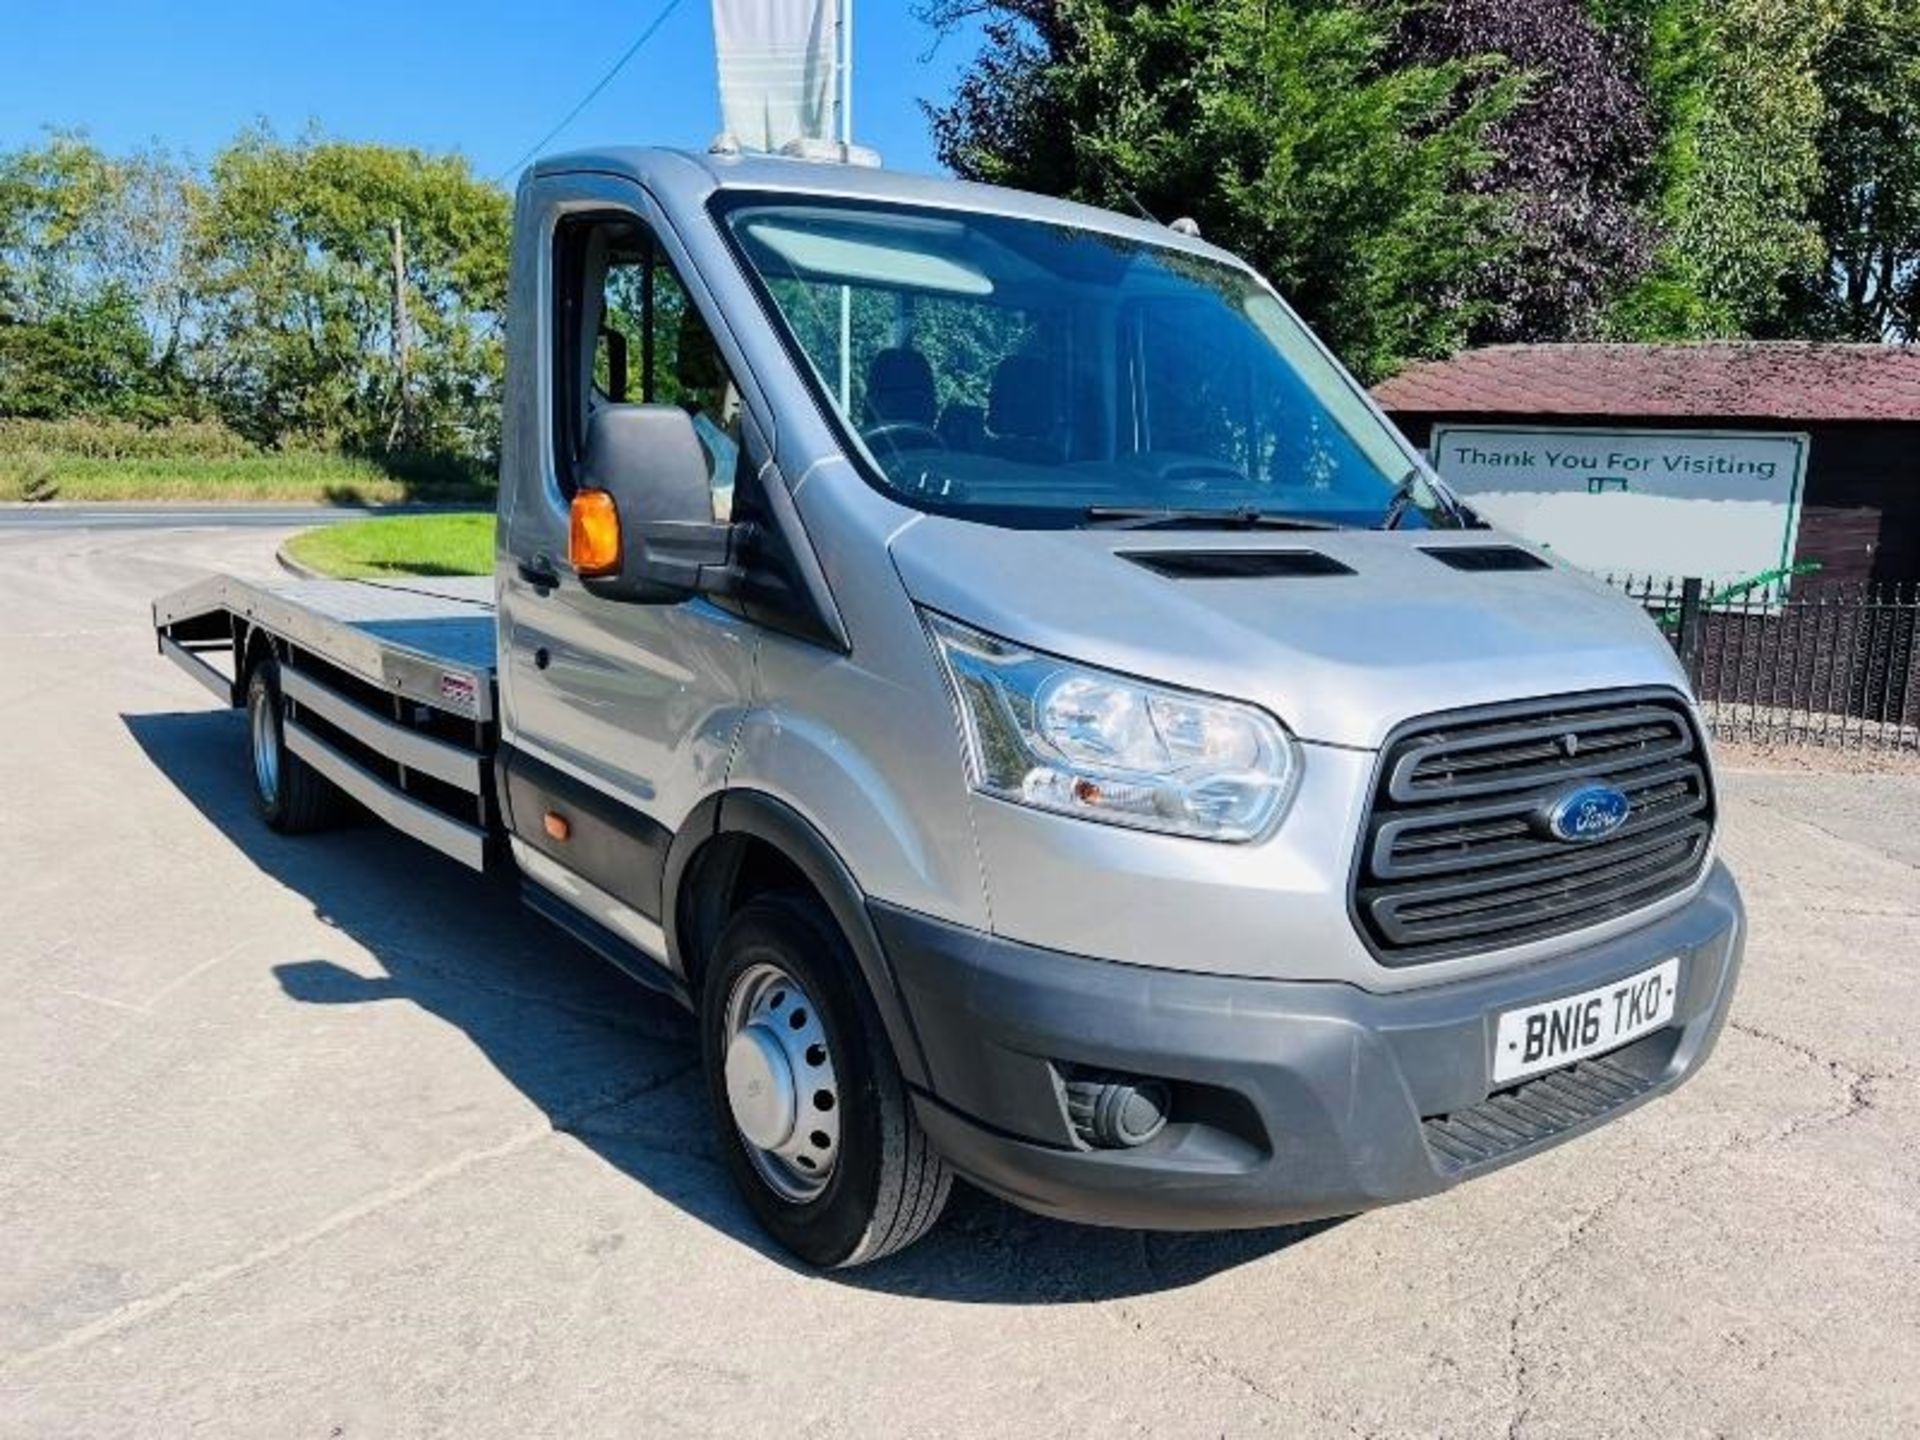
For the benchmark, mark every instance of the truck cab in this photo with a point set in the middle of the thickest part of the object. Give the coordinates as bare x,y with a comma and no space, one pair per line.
989,661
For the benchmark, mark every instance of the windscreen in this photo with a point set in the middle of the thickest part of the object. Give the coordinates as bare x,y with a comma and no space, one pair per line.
1026,372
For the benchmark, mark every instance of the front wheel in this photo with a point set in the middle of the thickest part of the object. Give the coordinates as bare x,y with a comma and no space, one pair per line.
814,1118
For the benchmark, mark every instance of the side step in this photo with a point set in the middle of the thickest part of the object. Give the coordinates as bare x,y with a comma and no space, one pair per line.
606,943
1532,1113
465,843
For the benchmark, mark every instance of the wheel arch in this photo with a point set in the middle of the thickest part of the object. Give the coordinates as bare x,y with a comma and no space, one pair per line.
251,641
739,843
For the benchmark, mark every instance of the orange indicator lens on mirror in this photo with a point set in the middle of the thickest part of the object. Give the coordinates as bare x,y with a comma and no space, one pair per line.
593,537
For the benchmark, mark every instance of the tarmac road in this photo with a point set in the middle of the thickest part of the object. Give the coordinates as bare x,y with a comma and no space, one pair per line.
326,1137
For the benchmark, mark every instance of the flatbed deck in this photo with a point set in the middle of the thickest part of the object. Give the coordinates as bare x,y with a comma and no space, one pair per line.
389,687
430,640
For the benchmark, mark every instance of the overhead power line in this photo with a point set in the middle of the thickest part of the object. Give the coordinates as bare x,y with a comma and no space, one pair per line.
598,85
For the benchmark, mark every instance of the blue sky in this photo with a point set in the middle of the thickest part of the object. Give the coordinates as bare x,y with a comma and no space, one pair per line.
484,77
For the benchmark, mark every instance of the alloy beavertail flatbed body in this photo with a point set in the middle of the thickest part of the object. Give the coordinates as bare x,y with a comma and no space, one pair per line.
389,688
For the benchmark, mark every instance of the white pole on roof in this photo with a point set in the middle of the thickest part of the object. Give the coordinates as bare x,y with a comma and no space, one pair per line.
843,42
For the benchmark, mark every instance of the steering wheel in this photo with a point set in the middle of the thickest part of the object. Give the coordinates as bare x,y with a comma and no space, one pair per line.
896,436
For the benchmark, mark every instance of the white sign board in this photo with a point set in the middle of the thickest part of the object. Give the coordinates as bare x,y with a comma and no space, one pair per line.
1723,505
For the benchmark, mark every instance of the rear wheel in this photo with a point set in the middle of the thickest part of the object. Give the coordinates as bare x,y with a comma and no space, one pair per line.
289,794
813,1116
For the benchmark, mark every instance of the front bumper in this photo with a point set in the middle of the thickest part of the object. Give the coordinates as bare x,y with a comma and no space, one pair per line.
1293,1100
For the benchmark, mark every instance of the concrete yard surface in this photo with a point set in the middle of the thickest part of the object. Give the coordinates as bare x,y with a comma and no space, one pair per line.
326,1137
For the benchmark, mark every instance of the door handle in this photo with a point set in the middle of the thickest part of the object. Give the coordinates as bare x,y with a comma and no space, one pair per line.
539,573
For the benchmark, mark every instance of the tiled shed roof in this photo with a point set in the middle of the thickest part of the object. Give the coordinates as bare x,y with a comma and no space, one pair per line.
1773,380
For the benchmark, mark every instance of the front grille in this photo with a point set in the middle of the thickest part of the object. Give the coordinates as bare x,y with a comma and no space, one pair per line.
1455,857
1531,1113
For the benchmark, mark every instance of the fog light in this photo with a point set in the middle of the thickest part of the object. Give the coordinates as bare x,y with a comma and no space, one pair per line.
1113,1112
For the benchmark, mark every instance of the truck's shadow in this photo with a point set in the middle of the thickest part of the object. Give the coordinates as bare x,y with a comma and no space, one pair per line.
611,1063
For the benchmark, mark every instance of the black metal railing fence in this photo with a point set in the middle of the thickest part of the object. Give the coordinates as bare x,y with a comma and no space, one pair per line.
1799,660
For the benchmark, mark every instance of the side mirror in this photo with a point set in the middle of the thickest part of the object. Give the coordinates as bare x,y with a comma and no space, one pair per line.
642,522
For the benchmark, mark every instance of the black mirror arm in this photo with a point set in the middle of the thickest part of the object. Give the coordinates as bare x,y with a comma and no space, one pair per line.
729,577
670,561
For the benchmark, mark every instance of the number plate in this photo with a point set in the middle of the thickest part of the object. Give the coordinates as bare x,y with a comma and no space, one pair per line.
1558,1032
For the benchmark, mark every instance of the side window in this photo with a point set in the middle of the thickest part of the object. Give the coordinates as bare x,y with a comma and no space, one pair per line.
627,333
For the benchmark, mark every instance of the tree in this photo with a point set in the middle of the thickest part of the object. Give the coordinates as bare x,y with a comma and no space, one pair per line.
313,293
1739,110
1574,160
96,291
297,245
1278,125
88,356
1868,205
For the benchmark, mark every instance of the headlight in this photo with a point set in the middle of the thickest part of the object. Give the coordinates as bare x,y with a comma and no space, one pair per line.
1058,736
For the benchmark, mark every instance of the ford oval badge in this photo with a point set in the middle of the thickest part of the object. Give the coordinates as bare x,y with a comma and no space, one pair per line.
1588,812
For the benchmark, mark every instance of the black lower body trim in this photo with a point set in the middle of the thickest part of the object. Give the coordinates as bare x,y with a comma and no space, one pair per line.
608,843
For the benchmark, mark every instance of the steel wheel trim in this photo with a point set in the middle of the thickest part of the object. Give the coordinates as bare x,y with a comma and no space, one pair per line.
781,1087
266,747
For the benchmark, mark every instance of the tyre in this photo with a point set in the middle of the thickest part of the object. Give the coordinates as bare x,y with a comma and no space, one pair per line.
289,794
813,1117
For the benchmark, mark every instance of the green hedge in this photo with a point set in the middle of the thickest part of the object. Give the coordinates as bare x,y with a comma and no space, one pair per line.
90,439
84,459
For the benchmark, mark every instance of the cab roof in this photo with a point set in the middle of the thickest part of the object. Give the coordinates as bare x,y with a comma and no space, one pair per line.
691,178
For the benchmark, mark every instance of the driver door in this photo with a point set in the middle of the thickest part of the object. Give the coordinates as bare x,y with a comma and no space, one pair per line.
617,717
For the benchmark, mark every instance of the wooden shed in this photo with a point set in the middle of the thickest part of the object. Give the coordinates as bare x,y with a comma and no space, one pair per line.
1849,413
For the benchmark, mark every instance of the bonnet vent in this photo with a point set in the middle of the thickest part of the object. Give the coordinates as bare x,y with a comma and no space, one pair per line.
1235,564
1486,557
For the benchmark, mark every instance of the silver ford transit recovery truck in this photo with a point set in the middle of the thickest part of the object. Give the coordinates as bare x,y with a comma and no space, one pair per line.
985,658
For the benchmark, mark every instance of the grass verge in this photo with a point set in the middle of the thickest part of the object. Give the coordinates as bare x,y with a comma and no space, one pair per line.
398,545
314,479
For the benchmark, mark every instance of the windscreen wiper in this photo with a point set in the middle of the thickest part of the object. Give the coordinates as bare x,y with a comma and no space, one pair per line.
1402,498
1246,517
1398,502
